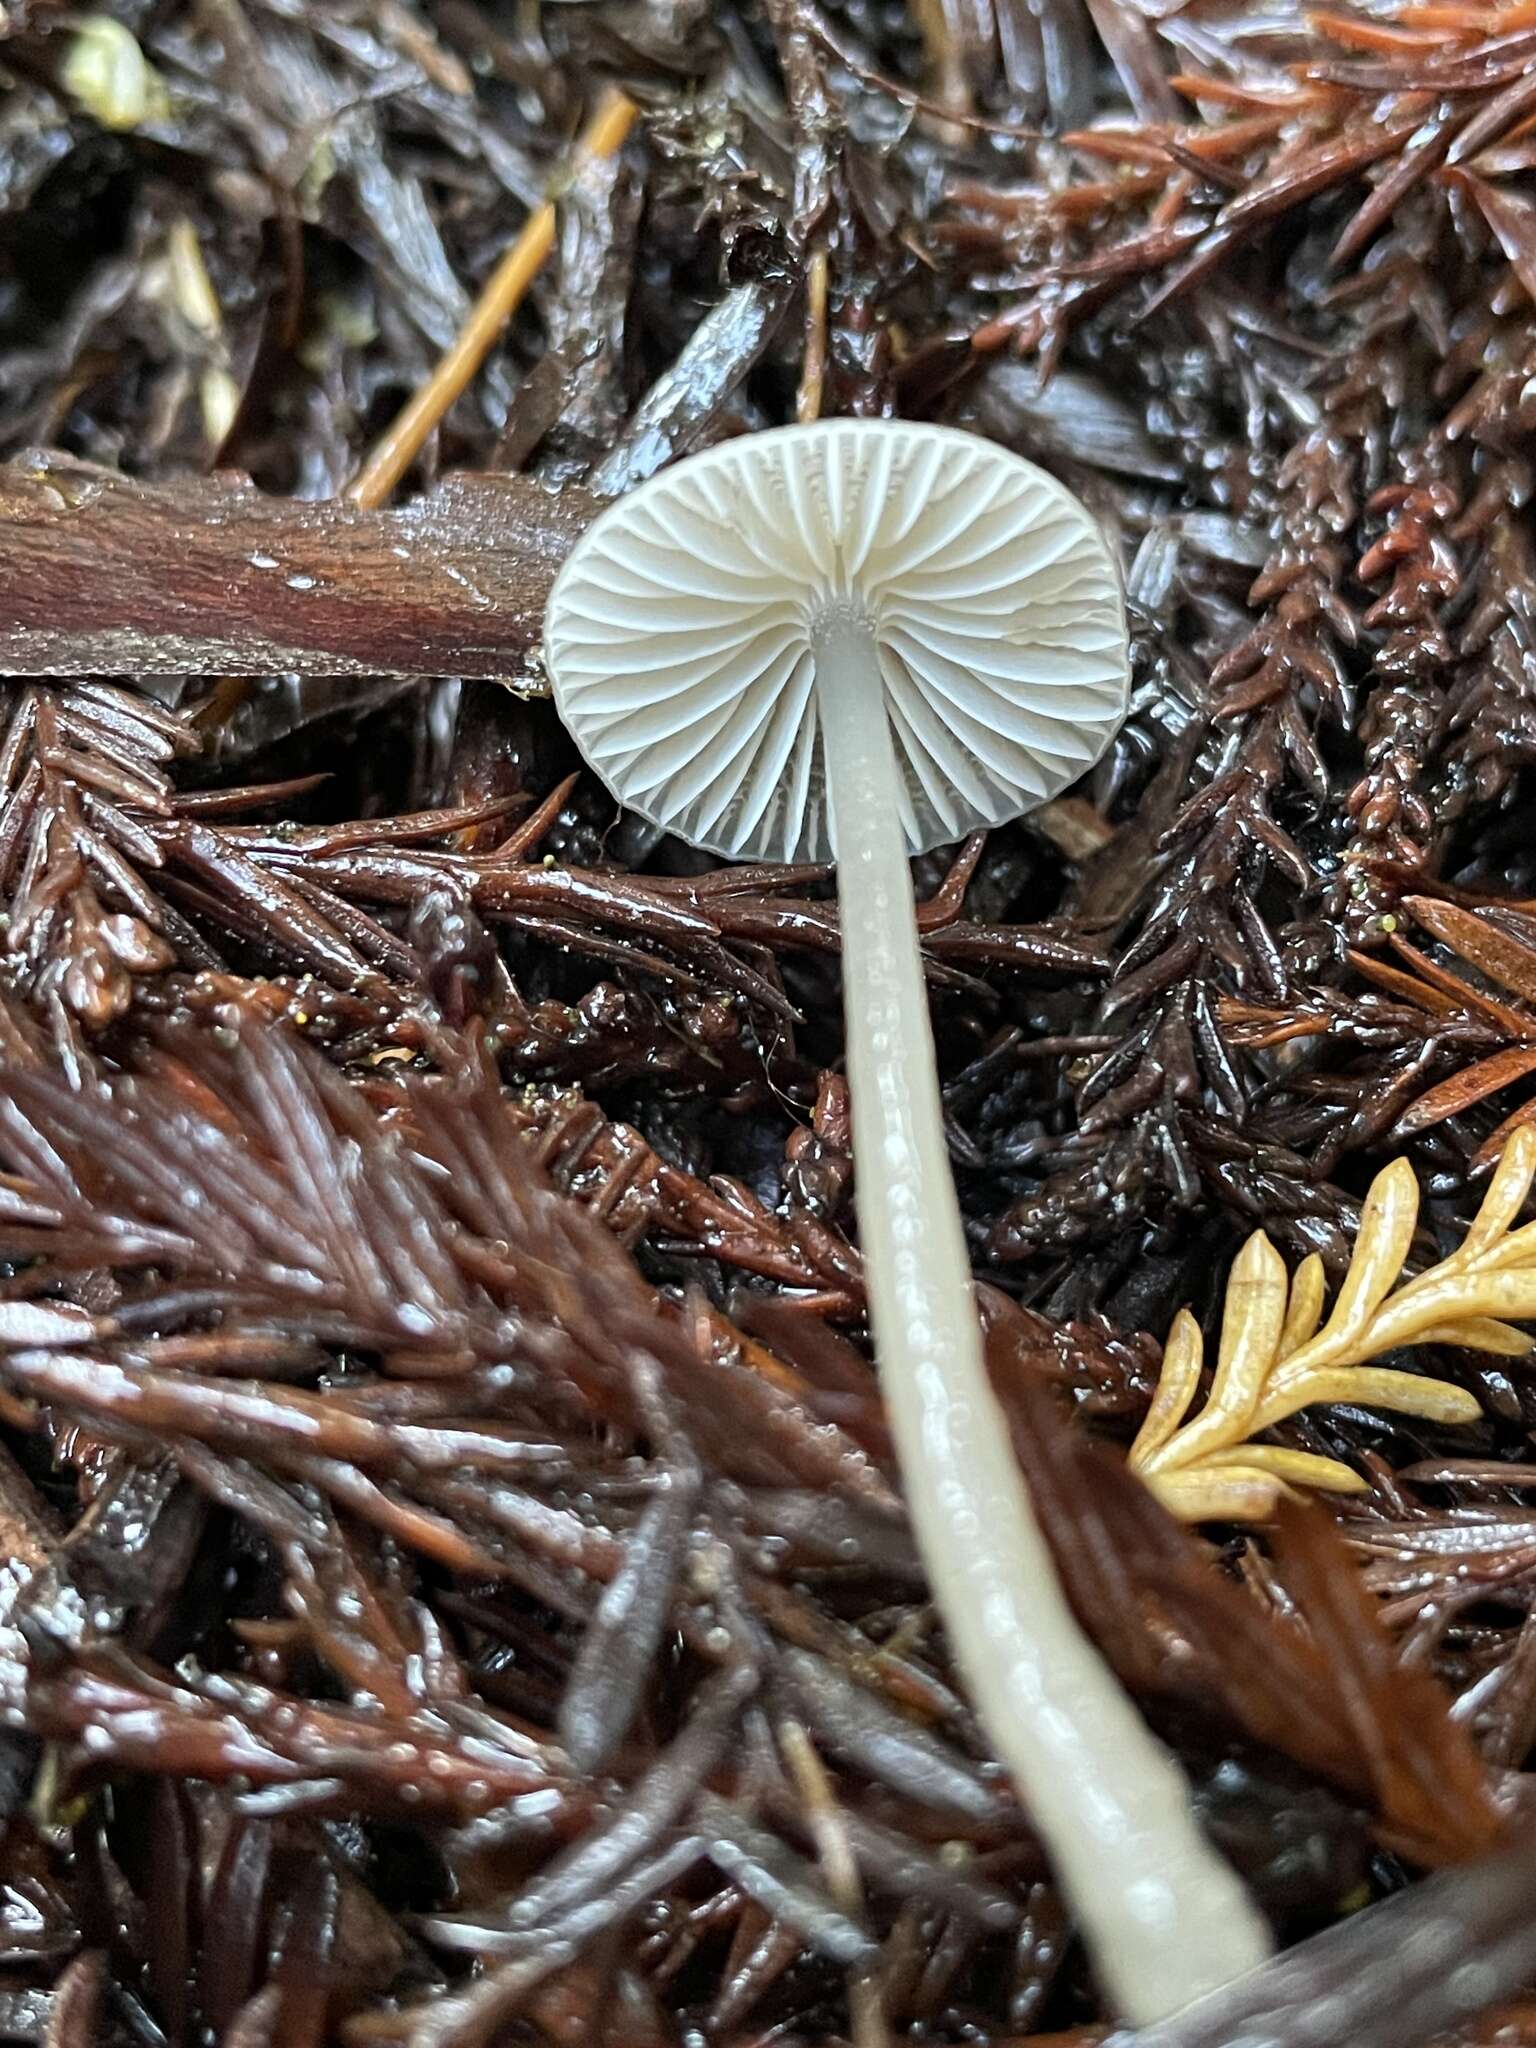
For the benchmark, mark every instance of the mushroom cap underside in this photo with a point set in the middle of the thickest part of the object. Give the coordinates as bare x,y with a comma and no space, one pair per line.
681,633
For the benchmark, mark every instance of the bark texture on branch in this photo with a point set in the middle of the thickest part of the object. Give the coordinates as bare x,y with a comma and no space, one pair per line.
101,575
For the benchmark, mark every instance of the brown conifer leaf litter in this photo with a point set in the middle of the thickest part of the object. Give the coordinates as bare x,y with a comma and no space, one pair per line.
456,1587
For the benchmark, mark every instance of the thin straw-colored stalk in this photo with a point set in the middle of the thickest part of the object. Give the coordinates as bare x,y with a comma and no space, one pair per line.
1166,1919
504,290
813,374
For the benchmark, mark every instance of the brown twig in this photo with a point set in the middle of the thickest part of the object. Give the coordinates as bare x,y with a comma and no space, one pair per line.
208,576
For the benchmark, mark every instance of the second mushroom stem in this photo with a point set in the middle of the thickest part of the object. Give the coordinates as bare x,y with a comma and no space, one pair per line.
1165,1918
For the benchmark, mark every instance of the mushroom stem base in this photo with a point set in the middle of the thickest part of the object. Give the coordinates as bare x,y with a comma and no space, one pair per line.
1166,1919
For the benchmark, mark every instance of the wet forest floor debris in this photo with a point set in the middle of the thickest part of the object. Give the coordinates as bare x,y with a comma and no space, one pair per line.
456,1587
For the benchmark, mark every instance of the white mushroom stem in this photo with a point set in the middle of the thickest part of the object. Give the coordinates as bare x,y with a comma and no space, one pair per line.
1165,1918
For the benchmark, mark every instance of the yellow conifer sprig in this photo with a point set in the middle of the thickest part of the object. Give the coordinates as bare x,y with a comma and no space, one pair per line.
1277,1355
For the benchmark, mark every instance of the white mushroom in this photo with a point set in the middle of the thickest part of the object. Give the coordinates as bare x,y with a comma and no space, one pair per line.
866,639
